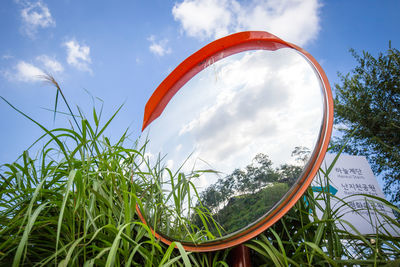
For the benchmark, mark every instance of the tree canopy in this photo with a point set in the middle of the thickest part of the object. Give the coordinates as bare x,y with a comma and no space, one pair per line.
242,197
367,113
251,179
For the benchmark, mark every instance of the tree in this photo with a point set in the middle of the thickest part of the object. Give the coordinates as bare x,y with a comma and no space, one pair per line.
289,173
302,154
265,174
225,186
367,113
211,197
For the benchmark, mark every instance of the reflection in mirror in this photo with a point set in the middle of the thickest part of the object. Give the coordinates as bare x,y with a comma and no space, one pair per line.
230,144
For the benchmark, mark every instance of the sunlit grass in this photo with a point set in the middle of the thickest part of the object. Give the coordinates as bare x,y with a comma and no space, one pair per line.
73,204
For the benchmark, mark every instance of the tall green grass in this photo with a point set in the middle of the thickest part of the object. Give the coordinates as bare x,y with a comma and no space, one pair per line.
73,204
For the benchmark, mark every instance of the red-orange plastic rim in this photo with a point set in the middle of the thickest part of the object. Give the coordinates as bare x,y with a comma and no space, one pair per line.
211,53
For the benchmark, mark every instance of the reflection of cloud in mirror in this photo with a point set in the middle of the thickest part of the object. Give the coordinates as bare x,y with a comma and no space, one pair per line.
252,102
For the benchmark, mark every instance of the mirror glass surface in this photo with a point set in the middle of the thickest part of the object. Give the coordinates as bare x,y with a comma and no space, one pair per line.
230,144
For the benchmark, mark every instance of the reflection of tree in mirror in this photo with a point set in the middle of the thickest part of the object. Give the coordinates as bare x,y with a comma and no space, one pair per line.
173,206
245,195
302,154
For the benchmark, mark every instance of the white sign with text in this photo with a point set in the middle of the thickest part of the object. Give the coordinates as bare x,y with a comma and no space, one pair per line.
350,177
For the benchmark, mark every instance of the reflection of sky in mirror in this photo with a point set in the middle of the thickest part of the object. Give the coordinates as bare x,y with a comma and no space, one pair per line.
253,102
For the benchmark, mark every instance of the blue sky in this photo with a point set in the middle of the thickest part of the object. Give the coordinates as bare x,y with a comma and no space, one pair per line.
120,52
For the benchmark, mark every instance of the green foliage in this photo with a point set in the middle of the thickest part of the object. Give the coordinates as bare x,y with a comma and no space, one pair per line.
249,180
245,195
74,205
367,112
245,209
168,205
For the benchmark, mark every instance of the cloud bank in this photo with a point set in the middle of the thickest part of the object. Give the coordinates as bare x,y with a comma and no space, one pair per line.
32,72
26,72
295,21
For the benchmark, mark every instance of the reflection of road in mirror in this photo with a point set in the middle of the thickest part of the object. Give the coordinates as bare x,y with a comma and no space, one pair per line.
242,118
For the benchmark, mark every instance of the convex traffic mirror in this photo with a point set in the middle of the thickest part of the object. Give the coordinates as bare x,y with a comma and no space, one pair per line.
234,135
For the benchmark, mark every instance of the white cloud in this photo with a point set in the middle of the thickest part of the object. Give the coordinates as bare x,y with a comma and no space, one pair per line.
51,65
32,72
295,21
205,18
78,55
36,15
24,72
159,48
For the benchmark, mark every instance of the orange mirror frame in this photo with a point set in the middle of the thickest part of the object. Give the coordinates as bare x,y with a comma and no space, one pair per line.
211,53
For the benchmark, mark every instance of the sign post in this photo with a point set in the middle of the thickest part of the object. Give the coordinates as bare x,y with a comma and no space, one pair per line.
353,188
